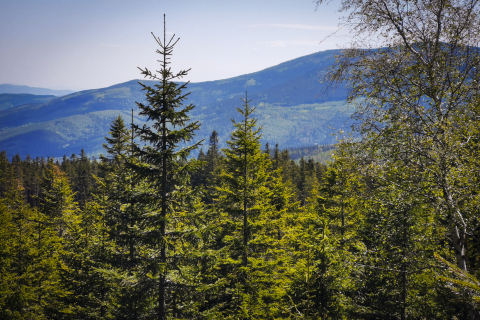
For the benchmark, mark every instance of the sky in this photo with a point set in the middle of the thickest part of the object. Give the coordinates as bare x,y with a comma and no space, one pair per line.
87,44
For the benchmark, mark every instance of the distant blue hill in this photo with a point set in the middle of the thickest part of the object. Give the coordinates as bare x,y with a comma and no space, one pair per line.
10,100
287,100
11,88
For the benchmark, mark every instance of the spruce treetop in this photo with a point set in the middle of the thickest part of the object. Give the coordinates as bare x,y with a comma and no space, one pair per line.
166,107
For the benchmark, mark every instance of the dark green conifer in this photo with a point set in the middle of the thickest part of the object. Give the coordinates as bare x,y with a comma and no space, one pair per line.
213,155
267,150
199,177
276,157
213,160
164,165
120,197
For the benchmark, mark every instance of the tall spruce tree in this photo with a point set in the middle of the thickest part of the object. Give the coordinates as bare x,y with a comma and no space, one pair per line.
247,279
210,162
199,177
213,156
164,164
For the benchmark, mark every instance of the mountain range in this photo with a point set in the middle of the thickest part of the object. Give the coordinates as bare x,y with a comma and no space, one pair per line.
11,100
288,100
11,88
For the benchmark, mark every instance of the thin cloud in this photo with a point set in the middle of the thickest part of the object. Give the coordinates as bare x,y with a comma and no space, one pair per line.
297,26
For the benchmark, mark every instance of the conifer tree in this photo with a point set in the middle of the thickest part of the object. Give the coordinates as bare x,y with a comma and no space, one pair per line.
56,199
84,181
209,163
246,273
58,213
276,157
267,150
213,154
199,177
302,182
213,160
164,164
320,272
31,248
86,259
120,197
19,278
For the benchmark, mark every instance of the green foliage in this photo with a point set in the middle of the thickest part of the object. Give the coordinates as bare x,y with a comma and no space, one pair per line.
31,271
461,279
121,197
291,117
246,277
243,233
324,238
355,245
162,163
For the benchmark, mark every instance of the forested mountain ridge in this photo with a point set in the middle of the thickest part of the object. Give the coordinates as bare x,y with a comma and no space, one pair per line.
287,97
10,100
389,229
18,89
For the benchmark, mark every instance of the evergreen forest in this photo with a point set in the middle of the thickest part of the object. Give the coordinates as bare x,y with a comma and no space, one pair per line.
388,229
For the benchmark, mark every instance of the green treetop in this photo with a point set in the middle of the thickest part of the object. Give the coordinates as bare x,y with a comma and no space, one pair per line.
245,222
164,164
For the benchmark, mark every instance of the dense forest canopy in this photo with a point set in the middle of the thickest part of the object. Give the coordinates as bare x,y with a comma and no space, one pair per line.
389,229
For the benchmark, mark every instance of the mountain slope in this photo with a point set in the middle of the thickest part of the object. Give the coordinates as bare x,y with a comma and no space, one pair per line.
9,100
286,98
11,88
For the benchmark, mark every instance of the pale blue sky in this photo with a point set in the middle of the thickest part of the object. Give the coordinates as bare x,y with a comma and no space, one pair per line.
87,44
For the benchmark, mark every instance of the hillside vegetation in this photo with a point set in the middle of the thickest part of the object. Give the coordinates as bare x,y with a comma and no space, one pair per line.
288,99
159,228
9,100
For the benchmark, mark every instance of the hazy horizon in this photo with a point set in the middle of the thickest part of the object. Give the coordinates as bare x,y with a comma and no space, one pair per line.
141,79
78,45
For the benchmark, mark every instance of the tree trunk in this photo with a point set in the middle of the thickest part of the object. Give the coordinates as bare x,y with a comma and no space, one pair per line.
245,216
458,233
163,256
458,240
404,267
